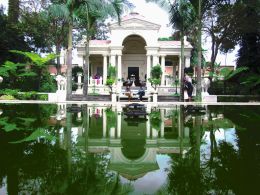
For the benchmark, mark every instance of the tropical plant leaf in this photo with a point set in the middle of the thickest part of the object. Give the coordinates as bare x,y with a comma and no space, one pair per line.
39,133
26,121
10,127
236,72
27,74
36,58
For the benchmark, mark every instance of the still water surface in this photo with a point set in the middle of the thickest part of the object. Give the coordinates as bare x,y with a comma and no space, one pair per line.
81,149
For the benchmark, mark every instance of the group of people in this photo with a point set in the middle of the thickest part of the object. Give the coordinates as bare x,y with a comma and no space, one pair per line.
129,94
188,89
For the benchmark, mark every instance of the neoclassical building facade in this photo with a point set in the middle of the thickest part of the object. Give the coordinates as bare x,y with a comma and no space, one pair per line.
134,47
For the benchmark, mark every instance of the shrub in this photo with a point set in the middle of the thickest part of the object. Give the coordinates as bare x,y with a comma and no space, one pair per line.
7,97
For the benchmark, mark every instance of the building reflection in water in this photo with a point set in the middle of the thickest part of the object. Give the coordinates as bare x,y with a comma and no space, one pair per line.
131,142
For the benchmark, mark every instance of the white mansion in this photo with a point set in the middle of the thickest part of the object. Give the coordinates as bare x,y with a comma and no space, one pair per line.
133,49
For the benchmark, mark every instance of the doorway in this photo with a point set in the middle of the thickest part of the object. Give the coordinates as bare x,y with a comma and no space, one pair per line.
133,72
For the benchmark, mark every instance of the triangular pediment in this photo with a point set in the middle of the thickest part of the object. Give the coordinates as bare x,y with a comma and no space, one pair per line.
136,24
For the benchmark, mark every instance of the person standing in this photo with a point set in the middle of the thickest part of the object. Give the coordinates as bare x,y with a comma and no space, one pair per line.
188,87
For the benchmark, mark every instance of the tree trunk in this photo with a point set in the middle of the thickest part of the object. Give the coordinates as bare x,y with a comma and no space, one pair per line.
13,11
198,91
68,145
69,63
58,59
182,68
85,70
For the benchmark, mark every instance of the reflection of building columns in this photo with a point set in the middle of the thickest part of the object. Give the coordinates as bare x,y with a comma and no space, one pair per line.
154,133
162,124
155,60
163,69
148,127
187,61
112,132
104,123
119,117
104,69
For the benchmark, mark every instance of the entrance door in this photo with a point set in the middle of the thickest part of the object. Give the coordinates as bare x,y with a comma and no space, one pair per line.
134,71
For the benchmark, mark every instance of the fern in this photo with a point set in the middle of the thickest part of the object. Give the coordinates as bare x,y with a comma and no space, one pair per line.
236,72
36,58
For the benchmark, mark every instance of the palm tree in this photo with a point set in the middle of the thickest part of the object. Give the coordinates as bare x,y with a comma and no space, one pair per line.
13,11
89,14
182,16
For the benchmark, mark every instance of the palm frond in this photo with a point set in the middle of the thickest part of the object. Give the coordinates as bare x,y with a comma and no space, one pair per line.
236,72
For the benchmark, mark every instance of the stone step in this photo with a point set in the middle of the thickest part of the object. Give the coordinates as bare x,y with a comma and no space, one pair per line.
168,98
91,98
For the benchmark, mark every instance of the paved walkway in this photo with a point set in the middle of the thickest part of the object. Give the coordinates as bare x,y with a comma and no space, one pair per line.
102,103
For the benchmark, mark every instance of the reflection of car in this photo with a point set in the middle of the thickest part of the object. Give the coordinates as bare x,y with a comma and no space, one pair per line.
135,110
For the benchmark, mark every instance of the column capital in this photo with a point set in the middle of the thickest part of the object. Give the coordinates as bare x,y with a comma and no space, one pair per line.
162,55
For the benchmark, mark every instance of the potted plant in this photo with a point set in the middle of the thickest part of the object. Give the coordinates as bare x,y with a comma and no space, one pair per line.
111,80
155,80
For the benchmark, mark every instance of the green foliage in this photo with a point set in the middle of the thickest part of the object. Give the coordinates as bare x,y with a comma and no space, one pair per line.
111,118
111,76
11,92
43,97
28,76
111,73
156,73
38,133
12,37
48,83
7,97
155,119
183,16
36,58
236,72
166,39
110,81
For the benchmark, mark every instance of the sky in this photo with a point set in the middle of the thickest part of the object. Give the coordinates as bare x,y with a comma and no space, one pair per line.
154,13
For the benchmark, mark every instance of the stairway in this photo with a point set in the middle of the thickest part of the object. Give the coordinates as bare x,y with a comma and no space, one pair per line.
169,98
77,97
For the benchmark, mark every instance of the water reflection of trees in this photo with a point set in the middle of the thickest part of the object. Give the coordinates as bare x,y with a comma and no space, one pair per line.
44,166
222,170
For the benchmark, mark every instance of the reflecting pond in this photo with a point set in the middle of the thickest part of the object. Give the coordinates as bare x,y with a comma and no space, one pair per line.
82,149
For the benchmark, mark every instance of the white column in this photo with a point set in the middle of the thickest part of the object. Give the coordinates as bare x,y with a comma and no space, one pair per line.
104,123
155,60
187,61
162,124
104,69
112,132
113,60
174,72
119,72
148,127
119,67
148,73
119,125
163,70
148,67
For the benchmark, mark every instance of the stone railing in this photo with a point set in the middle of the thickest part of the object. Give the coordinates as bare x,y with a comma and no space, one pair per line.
97,82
